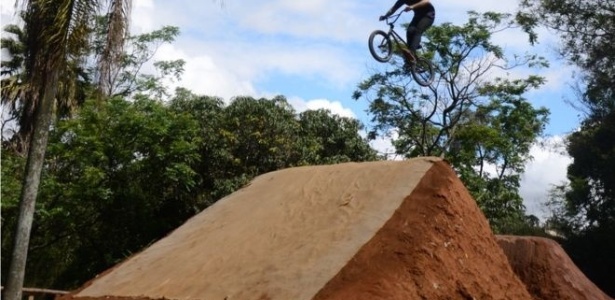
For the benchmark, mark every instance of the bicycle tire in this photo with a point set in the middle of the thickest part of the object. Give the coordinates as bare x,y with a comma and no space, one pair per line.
423,71
380,46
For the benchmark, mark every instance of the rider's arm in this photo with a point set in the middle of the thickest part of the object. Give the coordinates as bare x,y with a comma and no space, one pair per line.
417,5
395,7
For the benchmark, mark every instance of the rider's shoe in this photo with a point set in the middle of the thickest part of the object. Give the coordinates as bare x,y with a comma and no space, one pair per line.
408,55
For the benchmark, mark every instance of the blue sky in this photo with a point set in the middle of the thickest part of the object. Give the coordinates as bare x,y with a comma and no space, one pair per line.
315,53
309,50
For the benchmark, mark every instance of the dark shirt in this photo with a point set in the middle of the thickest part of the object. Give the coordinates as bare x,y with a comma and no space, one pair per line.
421,10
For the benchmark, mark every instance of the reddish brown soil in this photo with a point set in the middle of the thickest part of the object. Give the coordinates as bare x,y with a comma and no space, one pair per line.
546,269
381,230
437,245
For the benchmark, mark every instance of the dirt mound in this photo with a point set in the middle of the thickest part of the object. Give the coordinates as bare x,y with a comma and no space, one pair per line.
437,245
378,230
546,269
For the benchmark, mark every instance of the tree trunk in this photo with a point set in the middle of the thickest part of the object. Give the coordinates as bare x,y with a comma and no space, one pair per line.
34,167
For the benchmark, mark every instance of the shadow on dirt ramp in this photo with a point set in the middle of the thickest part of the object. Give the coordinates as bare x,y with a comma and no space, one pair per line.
375,230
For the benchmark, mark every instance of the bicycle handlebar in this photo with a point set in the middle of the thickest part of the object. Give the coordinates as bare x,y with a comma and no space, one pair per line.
394,18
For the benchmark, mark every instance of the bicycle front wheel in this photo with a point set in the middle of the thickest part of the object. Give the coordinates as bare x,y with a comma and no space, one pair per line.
423,71
380,46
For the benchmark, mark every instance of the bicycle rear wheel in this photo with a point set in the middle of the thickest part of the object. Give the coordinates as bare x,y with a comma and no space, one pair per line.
423,71
380,46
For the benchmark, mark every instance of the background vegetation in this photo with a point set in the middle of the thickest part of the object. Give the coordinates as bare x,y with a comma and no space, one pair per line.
125,160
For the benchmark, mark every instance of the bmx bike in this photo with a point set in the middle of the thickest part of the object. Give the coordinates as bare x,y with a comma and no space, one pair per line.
382,44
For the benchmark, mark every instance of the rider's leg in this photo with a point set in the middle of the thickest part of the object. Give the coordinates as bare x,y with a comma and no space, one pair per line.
417,26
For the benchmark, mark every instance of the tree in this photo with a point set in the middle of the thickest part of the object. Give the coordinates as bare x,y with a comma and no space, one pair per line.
260,134
16,89
120,174
56,31
127,77
127,168
116,32
325,138
215,159
480,122
586,30
584,210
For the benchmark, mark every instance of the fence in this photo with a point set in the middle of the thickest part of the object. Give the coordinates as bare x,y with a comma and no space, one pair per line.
31,292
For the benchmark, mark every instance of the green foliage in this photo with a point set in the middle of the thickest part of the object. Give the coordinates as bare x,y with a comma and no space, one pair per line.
260,134
586,31
118,176
214,163
326,139
128,77
56,34
14,44
583,211
17,91
12,175
481,123
591,174
121,174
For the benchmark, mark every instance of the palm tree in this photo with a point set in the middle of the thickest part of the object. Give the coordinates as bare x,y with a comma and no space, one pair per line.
15,89
57,33
116,33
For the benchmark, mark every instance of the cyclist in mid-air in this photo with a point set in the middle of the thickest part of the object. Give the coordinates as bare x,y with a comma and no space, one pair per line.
424,15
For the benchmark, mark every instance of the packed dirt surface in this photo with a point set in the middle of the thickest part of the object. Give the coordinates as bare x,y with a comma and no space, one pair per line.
547,271
376,230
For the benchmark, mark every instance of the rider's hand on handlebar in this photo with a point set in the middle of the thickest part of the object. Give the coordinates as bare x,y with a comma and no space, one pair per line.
382,18
408,8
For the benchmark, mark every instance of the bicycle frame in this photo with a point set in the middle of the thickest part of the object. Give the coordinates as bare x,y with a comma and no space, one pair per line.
382,46
396,37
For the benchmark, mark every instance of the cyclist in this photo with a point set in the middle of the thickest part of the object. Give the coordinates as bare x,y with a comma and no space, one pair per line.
424,15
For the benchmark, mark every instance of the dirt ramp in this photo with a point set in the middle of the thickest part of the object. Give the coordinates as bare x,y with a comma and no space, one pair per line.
282,237
546,269
437,245
377,230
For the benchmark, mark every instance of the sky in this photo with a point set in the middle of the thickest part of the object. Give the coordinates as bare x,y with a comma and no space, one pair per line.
314,52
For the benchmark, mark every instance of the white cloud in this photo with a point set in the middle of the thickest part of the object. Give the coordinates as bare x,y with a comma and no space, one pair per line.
226,57
141,16
7,13
455,7
558,78
228,70
337,21
335,107
203,75
384,146
548,168
143,3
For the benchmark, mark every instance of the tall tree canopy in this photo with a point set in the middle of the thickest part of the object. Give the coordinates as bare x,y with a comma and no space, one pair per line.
121,174
473,114
584,210
56,37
